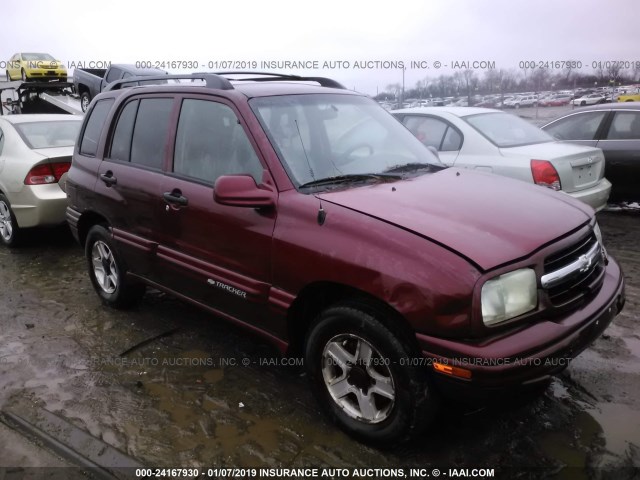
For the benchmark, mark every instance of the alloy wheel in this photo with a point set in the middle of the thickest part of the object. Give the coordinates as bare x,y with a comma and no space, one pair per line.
104,267
358,378
6,223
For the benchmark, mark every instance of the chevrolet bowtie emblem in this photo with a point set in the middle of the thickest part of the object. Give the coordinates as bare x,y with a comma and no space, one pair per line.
585,263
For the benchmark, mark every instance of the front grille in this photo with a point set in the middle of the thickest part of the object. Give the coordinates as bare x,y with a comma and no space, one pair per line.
575,277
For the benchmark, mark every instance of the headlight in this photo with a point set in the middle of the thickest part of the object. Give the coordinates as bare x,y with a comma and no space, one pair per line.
598,233
508,296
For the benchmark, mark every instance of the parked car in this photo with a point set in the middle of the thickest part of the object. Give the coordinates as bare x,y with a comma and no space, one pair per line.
614,128
309,215
556,101
35,152
590,99
90,82
27,66
630,95
521,101
498,142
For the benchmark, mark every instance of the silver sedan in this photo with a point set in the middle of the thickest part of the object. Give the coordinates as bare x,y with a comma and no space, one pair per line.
493,141
35,151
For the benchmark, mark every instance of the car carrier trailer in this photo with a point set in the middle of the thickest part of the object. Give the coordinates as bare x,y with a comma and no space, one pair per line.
38,97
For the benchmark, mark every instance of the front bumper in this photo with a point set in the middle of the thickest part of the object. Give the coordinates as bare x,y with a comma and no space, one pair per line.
43,73
531,354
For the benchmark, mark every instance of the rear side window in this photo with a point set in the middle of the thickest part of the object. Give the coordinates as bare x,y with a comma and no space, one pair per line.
433,132
625,126
114,74
121,143
150,132
93,127
581,126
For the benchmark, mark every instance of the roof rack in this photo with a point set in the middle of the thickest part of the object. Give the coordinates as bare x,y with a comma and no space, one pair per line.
220,80
211,80
274,77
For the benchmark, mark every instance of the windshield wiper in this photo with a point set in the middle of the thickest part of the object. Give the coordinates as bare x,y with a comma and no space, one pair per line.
353,177
412,167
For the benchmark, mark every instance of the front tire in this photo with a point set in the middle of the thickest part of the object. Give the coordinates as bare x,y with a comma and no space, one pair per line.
85,100
107,271
10,233
8,76
24,76
362,375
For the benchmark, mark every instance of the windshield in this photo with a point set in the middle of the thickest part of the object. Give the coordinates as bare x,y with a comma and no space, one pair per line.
38,56
505,130
322,136
49,134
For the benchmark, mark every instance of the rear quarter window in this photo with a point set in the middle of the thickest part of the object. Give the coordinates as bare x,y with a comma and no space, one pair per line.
93,127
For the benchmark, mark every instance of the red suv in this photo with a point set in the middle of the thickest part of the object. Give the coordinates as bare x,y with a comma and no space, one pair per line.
308,214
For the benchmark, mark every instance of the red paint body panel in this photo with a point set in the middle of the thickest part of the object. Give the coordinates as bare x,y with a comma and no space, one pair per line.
481,216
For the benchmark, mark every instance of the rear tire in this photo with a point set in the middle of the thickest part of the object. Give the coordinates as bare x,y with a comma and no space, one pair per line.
85,100
108,271
363,378
24,76
8,76
10,233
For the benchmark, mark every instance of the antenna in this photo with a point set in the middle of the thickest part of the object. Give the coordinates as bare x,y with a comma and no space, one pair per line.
304,150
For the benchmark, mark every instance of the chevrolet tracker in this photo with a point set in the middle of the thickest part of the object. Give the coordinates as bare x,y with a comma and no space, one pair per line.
306,213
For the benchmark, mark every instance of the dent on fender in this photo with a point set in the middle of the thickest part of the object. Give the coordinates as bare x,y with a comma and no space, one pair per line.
449,314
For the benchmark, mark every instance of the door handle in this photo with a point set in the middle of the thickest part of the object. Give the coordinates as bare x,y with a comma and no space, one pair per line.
108,178
175,197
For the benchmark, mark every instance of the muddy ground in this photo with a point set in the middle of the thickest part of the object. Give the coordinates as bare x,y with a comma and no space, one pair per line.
202,393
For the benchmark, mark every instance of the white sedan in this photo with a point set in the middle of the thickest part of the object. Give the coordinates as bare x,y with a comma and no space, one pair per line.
35,151
591,99
490,140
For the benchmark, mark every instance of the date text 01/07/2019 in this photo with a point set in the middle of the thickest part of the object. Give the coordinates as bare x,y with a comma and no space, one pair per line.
577,64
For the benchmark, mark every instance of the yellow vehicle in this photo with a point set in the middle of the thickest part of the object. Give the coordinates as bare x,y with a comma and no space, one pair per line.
633,96
35,66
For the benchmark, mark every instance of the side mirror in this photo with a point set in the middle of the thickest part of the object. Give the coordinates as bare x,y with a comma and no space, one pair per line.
242,191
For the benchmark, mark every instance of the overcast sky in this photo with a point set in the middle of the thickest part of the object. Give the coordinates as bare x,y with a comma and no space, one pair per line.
501,31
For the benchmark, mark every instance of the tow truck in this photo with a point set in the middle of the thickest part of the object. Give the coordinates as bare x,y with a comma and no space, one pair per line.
38,97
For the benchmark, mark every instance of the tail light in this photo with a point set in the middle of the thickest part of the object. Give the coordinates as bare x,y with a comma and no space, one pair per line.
46,173
545,174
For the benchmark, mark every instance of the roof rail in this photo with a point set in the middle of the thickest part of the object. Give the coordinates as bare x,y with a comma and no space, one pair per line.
211,80
274,77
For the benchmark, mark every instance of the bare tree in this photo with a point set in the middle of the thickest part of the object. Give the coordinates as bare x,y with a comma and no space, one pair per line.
540,79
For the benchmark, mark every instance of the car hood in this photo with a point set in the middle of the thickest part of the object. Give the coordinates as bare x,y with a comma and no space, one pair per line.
488,219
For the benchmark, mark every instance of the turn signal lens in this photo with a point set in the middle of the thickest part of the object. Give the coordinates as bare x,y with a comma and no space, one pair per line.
450,370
